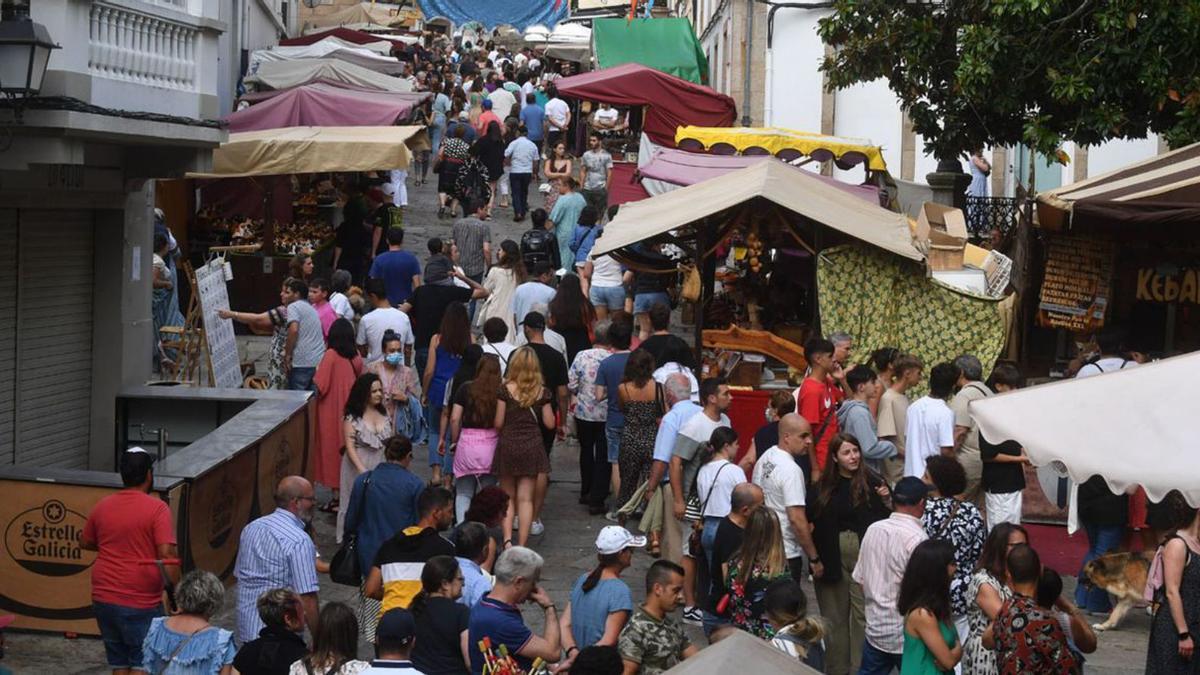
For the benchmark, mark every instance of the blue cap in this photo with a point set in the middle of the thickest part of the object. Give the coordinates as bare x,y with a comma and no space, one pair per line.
396,626
487,104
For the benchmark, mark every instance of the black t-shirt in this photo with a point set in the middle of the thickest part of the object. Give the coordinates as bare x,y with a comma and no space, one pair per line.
662,347
384,218
1099,505
766,437
711,583
273,653
428,304
472,418
438,648
554,369
1001,477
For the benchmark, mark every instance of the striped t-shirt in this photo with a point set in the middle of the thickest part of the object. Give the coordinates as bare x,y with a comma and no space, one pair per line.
401,560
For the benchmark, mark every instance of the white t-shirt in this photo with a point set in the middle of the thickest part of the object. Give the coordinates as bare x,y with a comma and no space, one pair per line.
666,370
782,483
341,306
929,428
375,323
606,272
557,111
1108,364
727,476
502,350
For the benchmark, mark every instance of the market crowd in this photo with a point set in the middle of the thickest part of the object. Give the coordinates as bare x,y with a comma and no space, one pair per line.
890,509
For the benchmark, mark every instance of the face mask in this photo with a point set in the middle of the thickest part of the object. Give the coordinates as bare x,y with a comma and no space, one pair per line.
394,359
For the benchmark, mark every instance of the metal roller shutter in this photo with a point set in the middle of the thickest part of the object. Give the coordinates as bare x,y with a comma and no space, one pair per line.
54,338
8,334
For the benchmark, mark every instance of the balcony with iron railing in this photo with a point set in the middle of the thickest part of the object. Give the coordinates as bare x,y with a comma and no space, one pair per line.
985,214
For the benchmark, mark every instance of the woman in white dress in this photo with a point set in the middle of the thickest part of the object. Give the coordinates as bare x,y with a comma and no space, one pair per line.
502,281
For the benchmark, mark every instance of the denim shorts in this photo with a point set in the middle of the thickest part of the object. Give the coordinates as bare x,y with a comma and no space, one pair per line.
123,630
612,297
642,302
613,436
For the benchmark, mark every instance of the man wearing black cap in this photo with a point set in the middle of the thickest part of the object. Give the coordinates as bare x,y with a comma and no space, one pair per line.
882,557
394,639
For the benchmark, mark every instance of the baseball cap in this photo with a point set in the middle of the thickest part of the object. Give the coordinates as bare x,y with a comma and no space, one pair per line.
614,539
535,320
396,625
487,104
909,490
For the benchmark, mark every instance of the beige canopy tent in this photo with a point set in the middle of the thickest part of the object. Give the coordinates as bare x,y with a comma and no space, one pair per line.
315,150
287,74
328,49
1129,426
356,16
788,187
741,652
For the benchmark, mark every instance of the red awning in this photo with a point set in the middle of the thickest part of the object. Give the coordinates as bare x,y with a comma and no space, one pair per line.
672,102
624,186
358,37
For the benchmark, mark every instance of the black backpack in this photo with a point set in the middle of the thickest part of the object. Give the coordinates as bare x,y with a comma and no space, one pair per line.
538,245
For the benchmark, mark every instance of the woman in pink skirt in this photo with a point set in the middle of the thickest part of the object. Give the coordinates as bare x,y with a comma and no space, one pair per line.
473,433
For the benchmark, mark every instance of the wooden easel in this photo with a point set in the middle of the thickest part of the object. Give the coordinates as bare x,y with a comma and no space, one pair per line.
189,341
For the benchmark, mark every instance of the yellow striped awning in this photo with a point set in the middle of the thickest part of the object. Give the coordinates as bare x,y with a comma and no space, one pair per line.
787,144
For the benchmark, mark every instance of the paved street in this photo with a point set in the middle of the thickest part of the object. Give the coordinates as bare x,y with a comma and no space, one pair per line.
567,543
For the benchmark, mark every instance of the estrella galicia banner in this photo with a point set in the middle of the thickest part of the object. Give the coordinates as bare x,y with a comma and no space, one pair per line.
519,14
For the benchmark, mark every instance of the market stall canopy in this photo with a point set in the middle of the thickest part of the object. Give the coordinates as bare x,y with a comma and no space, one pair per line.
683,168
346,36
253,97
741,652
624,187
286,74
315,150
794,189
666,44
1162,190
672,102
787,144
321,105
519,14
355,16
1058,422
328,49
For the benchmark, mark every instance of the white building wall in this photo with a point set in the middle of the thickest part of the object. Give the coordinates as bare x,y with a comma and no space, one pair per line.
793,91
869,111
1116,154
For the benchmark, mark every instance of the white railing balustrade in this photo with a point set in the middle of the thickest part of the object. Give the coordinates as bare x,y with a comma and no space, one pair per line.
135,47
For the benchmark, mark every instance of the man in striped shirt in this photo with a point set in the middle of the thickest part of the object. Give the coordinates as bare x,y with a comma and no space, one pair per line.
395,578
276,552
882,558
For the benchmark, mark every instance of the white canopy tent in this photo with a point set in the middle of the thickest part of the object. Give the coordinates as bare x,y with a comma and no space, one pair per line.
1130,426
329,48
286,74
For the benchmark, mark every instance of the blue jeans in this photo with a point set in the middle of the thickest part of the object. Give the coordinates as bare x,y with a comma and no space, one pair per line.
1101,539
612,297
613,436
712,622
433,416
437,131
642,302
123,630
301,379
708,535
877,662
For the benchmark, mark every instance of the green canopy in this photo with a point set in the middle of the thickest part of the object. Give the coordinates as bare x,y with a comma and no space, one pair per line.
664,44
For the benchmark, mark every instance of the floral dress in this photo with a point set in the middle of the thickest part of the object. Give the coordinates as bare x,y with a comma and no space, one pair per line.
960,523
276,377
977,659
1163,654
746,600
637,444
368,443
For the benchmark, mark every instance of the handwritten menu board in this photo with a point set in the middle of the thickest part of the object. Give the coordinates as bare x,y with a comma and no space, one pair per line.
1076,286
226,366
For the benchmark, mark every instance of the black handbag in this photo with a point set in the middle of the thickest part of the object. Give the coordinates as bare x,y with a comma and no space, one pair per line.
345,567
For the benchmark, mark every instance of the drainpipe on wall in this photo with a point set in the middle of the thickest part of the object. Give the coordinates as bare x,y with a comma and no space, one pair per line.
746,58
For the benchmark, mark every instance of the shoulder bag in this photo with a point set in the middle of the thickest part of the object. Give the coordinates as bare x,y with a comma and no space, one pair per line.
345,567
694,539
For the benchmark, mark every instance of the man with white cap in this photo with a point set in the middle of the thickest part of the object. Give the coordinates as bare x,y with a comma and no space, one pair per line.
600,602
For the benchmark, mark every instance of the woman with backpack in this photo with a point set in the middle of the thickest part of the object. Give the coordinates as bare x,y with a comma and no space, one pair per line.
1172,640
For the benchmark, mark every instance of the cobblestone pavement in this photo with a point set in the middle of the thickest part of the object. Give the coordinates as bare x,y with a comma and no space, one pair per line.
567,543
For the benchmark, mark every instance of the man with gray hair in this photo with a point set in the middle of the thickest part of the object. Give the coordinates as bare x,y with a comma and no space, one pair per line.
280,643
966,432
678,392
843,345
276,552
497,616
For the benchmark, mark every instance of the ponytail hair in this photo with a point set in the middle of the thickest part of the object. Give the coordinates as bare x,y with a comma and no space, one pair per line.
438,570
606,560
721,436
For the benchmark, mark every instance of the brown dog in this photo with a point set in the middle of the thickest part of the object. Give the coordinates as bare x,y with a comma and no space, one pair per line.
1123,575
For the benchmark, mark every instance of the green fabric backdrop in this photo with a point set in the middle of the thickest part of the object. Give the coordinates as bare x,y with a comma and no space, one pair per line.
665,44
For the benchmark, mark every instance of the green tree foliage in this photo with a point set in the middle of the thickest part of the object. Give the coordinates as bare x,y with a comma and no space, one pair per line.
1035,72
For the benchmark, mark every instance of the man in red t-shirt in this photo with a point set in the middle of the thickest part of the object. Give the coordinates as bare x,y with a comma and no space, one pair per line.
131,530
817,399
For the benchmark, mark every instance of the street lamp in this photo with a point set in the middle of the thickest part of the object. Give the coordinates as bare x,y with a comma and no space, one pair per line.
24,54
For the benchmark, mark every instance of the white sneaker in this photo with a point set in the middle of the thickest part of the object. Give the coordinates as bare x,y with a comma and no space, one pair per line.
693,616
537,528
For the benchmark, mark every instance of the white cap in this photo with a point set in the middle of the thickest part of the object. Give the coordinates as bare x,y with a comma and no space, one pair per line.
614,539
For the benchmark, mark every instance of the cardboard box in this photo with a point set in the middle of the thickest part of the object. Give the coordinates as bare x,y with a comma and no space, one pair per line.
941,234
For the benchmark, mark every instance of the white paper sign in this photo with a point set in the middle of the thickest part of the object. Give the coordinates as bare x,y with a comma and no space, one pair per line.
226,364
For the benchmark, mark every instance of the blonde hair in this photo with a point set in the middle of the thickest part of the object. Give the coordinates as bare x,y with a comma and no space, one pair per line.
763,544
525,371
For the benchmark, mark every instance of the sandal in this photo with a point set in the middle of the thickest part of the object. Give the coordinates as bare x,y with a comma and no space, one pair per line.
654,548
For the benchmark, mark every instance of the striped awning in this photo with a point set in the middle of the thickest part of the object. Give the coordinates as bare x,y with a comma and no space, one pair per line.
1161,190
